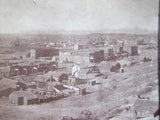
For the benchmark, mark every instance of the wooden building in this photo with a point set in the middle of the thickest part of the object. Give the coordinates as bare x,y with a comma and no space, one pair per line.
82,91
7,86
96,57
23,98
46,52
134,50
91,82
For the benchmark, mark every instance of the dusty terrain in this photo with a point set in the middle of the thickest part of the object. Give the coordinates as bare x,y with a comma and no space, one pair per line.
112,99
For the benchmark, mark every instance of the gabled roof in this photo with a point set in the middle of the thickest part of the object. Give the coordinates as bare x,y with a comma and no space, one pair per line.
6,83
60,87
26,94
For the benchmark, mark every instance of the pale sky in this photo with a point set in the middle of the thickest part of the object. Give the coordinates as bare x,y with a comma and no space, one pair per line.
78,16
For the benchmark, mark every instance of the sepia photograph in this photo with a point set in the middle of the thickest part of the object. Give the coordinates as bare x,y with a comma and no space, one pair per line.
79,60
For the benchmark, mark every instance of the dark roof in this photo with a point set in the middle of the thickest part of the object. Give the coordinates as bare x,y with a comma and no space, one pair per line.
46,52
55,74
22,85
60,87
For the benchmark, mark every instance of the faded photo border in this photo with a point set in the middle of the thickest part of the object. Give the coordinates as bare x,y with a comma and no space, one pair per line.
79,60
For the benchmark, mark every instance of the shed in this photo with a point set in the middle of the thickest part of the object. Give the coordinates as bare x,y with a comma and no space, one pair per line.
23,98
82,91
134,50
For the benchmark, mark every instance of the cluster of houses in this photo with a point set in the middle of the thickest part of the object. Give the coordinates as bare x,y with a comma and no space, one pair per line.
27,69
55,83
47,59
51,86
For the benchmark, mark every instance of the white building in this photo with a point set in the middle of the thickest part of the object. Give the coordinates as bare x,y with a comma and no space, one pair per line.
65,56
75,70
